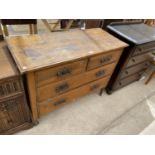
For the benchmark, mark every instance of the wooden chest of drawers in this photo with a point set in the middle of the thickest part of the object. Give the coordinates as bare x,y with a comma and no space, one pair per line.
14,112
64,66
135,58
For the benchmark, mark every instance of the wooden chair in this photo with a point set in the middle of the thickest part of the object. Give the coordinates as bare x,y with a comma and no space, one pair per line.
31,22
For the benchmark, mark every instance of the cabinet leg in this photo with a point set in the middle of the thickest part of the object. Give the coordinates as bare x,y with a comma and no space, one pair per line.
150,77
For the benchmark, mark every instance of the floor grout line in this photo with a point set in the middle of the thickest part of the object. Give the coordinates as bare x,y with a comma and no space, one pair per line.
124,113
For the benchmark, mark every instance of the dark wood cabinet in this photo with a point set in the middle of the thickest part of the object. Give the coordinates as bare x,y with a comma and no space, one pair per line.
14,111
135,58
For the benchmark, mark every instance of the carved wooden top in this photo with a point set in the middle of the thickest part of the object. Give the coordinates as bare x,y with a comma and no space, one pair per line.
33,52
7,67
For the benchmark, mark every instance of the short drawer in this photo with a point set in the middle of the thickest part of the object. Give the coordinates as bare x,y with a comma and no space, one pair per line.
103,59
149,47
132,70
45,107
57,88
138,59
60,72
126,81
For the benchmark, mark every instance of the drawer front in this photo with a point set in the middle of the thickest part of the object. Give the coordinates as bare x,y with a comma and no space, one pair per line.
10,87
126,81
138,59
132,70
144,48
53,89
13,112
103,59
70,96
60,73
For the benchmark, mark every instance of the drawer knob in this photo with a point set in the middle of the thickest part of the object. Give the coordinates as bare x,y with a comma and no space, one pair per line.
60,102
63,72
106,59
94,87
133,60
100,73
62,87
126,72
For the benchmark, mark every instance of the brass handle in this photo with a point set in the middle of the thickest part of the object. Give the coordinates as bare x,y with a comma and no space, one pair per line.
94,87
106,59
63,72
62,87
60,102
100,73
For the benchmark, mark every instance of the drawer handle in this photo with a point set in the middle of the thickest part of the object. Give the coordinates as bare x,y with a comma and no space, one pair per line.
60,102
126,72
106,59
100,73
94,87
62,87
133,60
63,72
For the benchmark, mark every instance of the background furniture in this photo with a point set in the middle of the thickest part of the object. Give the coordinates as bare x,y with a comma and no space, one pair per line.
75,64
135,59
31,22
14,112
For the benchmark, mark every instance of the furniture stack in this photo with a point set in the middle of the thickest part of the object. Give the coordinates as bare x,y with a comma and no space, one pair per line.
14,111
135,58
65,65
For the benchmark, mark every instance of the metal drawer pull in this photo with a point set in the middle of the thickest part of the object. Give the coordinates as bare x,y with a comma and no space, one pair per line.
63,72
94,87
62,87
60,102
106,59
133,60
100,73
126,72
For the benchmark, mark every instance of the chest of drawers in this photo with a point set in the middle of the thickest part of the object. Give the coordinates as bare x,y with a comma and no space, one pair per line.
14,112
63,66
135,58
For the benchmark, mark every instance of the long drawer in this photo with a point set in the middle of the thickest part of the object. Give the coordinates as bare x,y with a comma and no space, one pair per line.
60,72
45,107
138,59
132,70
103,59
126,81
53,89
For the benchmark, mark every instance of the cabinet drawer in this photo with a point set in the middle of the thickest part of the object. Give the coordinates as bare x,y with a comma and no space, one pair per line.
70,96
150,47
138,59
53,89
131,70
126,81
60,73
103,59
10,87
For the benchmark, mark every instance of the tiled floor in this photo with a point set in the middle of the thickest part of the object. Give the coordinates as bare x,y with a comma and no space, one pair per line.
130,110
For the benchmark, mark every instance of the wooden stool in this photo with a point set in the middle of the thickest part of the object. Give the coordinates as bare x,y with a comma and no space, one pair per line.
31,22
152,74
